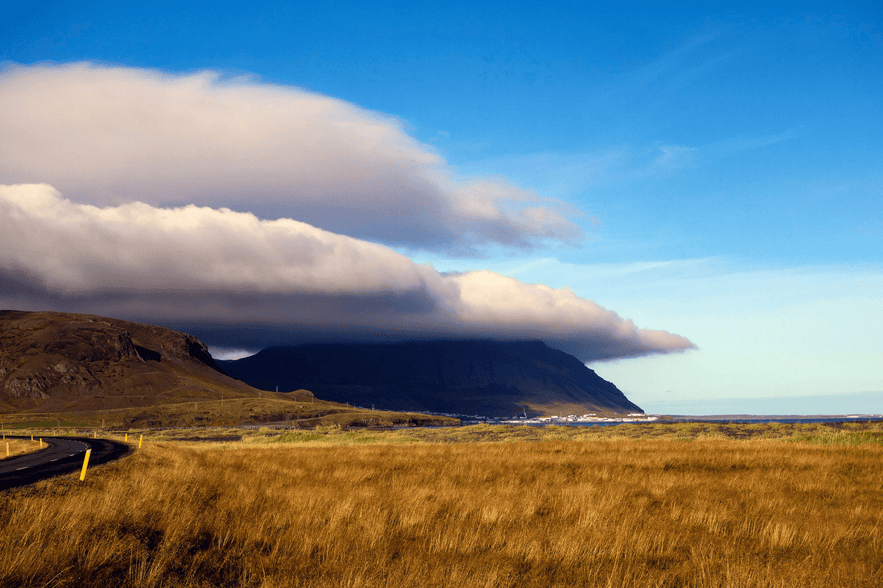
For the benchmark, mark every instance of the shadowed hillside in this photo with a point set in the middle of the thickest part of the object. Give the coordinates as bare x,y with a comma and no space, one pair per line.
462,377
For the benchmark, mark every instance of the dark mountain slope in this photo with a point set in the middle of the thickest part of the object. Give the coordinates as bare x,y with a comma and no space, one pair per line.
463,377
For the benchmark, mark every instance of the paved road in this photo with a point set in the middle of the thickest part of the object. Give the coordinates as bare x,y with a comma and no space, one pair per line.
63,456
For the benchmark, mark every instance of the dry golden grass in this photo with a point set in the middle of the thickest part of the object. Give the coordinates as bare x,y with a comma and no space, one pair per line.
617,512
14,447
848,433
297,408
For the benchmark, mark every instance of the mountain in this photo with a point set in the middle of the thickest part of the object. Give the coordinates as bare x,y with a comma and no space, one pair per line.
61,361
54,362
489,378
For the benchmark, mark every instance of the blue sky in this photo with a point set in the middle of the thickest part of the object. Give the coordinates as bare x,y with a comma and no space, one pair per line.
725,164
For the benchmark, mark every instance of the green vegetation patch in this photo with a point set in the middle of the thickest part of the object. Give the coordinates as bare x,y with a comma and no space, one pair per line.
864,432
46,424
841,438
338,436
296,437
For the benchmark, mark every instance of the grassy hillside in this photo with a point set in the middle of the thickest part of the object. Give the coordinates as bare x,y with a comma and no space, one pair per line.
76,370
297,409
62,362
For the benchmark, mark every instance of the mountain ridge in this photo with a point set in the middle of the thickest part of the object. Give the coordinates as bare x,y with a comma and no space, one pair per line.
467,377
55,361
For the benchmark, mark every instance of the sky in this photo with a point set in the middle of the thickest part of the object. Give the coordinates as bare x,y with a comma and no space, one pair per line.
686,197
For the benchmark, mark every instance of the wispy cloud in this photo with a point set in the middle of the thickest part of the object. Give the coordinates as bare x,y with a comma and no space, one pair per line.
112,135
751,142
231,272
673,157
679,64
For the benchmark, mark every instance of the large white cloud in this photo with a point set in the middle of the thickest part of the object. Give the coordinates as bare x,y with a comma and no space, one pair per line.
112,135
231,274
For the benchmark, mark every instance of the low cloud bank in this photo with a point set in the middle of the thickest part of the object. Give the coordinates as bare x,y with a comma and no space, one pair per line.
239,280
115,135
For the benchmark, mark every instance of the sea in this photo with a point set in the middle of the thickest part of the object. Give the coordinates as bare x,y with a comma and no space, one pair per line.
660,419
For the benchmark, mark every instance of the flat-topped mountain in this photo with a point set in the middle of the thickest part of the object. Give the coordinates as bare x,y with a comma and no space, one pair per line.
489,378
52,360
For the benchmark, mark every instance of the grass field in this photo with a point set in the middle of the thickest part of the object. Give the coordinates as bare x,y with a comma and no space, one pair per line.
660,506
13,447
297,408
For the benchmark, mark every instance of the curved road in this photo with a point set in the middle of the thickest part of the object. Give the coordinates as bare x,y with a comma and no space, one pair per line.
63,456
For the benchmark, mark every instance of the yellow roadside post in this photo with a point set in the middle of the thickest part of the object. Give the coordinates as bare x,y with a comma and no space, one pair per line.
41,443
85,463
140,439
126,439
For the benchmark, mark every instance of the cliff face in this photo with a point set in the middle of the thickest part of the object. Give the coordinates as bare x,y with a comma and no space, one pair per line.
82,361
488,378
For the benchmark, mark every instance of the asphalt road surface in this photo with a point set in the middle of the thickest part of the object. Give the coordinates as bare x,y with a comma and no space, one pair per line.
63,456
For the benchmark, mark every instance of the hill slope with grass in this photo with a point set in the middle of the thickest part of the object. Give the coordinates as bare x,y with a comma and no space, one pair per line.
489,378
89,370
52,360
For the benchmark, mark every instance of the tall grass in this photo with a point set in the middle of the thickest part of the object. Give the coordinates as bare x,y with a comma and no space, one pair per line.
606,512
17,447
